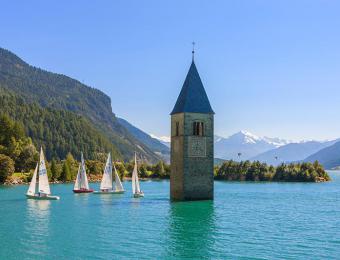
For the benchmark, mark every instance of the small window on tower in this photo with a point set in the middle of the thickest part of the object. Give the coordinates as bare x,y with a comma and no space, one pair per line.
177,129
198,128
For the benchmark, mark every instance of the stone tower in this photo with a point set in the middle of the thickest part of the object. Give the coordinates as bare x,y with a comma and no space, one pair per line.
192,142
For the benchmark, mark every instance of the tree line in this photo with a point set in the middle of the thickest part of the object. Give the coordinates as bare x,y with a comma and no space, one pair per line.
18,157
257,171
66,170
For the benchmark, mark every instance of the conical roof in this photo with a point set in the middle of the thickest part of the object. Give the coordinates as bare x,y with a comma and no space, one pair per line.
192,97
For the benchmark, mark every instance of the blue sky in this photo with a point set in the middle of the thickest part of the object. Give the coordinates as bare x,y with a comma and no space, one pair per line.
270,67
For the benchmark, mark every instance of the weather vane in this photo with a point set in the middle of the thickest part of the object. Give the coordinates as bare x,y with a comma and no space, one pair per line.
193,50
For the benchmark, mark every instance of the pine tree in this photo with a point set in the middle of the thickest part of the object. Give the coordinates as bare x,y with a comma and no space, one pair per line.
72,164
66,172
54,170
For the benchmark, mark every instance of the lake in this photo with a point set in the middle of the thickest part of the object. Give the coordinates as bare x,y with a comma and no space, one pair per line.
246,220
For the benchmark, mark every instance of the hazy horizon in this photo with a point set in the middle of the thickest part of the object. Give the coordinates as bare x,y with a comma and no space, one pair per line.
271,68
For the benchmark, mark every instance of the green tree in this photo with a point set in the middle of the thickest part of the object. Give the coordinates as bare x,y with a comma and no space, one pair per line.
66,172
6,167
54,170
121,170
72,165
27,158
143,170
95,167
158,170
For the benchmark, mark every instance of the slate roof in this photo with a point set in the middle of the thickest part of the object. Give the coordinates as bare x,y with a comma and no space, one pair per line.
192,97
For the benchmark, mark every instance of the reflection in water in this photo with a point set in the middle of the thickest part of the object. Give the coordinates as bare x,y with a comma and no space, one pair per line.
81,199
191,230
36,227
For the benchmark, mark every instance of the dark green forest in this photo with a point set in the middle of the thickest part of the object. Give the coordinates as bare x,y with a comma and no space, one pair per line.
19,155
57,131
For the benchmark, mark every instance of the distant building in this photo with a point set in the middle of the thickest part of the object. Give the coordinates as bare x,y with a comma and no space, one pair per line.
192,142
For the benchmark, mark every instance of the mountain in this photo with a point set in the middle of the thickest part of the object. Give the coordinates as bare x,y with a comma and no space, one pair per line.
56,92
246,143
329,157
153,143
163,139
292,152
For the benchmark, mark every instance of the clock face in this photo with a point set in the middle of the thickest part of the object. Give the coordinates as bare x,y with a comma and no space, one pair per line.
197,147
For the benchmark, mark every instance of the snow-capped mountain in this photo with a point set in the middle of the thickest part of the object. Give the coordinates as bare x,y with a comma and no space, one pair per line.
247,146
240,146
276,141
244,145
163,139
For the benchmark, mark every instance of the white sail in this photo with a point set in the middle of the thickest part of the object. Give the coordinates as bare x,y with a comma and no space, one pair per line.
135,181
76,184
44,187
106,183
84,184
119,186
31,189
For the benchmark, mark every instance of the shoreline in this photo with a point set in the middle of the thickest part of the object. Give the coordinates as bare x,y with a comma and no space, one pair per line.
19,182
162,179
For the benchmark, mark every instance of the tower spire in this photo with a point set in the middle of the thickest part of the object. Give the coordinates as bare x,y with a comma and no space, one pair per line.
193,51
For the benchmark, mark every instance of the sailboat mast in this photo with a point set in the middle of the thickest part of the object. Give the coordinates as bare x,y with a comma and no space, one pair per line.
36,188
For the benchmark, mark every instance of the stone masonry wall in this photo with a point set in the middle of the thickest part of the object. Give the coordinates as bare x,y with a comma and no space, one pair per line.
192,158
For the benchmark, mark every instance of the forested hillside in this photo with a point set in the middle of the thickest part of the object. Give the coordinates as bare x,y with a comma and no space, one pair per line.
19,156
64,113
57,131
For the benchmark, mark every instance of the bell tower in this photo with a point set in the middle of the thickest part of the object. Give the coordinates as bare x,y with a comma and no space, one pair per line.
192,142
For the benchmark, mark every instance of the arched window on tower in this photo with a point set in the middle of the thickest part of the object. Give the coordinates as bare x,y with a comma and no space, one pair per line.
198,128
177,129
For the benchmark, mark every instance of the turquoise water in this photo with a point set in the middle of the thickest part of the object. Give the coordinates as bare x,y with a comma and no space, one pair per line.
245,221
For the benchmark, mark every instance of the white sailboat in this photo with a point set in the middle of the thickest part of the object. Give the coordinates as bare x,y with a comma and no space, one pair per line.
81,184
135,182
44,192
106,185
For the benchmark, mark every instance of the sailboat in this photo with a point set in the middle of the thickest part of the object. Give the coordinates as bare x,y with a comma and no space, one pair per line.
106,185
137,193
81,184
44,192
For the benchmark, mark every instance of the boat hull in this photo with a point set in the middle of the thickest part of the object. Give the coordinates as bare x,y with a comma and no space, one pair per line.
108,192
138,195
83,191
37,197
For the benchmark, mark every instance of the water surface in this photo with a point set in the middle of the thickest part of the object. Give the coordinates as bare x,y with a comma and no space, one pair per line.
245,221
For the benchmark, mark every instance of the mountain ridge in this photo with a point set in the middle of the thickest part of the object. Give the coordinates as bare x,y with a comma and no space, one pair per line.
153,143
292,152
329,156
60,92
